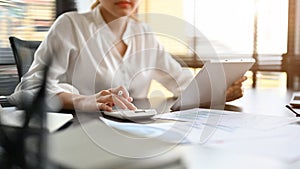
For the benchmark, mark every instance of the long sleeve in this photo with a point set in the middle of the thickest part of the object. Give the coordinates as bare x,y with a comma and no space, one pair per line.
60,47
84,62
174,77
170,73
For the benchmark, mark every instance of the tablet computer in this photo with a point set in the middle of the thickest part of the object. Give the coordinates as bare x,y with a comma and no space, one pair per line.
209,86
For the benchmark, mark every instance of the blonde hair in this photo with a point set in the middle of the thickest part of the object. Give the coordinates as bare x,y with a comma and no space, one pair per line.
97,2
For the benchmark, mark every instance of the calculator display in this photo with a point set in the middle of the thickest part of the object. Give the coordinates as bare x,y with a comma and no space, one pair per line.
139,111
132,114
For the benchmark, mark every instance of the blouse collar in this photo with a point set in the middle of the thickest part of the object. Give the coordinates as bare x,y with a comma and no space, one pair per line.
99,20
98,17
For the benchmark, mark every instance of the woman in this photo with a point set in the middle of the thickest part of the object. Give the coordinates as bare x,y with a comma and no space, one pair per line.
104,49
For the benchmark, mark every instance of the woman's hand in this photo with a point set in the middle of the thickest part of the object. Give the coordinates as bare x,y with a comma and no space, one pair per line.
121,98
104,100
235,91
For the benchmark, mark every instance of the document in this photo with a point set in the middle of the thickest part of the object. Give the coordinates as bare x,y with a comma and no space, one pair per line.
280,143
228,119
201,126
271,136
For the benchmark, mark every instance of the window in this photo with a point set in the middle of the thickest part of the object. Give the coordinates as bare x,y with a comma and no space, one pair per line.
231,27
25,19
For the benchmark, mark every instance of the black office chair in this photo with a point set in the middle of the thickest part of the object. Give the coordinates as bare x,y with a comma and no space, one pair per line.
23,53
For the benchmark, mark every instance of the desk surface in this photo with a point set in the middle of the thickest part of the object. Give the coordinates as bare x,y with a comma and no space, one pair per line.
258,101
263,101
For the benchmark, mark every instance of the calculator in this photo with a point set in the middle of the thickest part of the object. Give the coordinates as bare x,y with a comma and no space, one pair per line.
132,114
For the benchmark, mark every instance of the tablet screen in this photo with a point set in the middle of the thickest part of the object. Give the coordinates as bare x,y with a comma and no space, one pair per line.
209,86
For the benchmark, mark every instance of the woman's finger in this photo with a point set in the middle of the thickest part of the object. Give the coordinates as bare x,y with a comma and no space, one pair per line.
113,99
118,102
130,99
103,93
105,99
234,92
103,106
127,103
241,80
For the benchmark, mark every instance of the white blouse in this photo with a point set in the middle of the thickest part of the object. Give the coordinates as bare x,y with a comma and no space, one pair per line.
85,62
